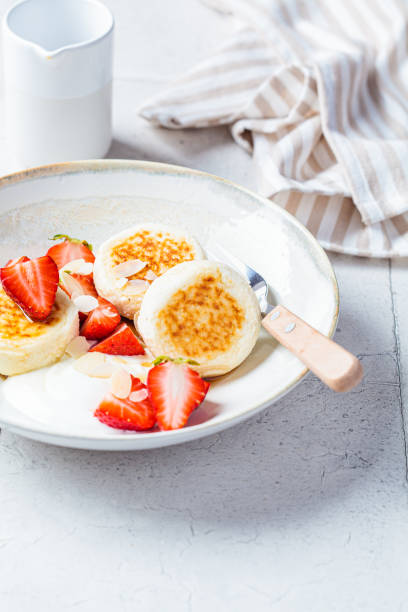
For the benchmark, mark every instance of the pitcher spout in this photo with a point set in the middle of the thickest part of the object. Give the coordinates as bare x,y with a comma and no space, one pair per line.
51,54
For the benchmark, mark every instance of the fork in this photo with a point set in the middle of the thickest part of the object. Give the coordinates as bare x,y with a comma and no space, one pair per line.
334,365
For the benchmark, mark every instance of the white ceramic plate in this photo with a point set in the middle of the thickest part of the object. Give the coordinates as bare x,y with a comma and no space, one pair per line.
93,200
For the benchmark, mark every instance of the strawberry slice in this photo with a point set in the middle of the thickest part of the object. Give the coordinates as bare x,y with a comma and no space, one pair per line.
175,390
121,342
86,282
126,414
101,321
13,262
32,285
70,249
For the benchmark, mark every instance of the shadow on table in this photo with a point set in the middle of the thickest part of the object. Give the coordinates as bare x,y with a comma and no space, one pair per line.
171,146
307,452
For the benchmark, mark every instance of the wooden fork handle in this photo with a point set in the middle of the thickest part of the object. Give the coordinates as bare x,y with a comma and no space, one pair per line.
336,367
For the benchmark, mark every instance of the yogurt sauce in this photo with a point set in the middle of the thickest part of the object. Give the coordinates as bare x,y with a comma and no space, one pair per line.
60,396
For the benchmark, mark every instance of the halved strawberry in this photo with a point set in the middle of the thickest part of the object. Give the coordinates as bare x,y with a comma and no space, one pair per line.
175,390
32,285
70,249
101,321
13,262
126,414
121,342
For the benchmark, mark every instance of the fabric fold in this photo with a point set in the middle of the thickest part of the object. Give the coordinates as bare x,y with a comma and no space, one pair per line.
316,93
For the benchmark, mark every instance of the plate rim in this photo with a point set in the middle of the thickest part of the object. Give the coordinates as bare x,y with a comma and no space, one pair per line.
79,167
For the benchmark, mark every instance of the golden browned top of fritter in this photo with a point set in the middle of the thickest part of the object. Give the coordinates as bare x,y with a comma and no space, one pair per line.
203,319
159,250
15,326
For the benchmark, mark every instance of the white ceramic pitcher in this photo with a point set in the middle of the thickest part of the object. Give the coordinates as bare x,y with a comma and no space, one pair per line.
58,80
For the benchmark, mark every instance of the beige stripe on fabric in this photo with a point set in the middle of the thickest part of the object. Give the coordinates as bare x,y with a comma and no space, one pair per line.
293,202
308,171
323,155
343,221
313,166
263,106
270,104
218,92
400,223
317,214
297,145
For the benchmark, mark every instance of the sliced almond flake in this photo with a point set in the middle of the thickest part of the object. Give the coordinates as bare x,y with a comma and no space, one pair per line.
79,266
95,365
86,268
137,286
77,347
85,303
129,362
110,313
128,268
73,287
138,396
72,266
121,282
121,383
150,275
119,359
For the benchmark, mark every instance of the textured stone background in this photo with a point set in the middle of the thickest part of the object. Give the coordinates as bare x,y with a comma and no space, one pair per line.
302,508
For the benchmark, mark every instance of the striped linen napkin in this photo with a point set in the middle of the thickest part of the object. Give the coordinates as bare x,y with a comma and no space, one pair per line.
317,93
